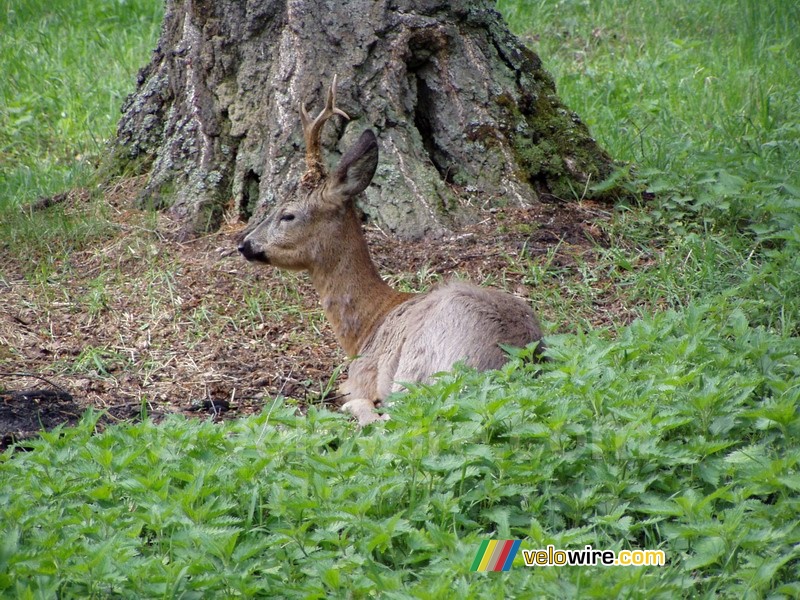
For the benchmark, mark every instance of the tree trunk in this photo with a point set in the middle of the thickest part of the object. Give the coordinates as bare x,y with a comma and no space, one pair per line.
465,115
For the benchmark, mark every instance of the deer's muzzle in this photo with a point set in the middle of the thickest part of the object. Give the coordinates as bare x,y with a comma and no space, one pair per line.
252,252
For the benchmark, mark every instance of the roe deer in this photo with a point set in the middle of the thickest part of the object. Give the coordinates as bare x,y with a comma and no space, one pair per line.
394,337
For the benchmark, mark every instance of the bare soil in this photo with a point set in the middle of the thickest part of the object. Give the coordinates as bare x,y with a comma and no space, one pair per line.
138,324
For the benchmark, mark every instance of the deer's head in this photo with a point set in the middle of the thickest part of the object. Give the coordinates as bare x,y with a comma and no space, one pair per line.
318,217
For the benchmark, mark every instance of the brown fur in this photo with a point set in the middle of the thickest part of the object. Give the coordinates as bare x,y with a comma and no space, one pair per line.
392,336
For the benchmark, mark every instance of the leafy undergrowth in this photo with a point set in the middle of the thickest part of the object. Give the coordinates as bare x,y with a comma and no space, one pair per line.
682,435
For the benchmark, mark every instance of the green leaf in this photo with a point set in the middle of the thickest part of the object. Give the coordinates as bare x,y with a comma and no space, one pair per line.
707,551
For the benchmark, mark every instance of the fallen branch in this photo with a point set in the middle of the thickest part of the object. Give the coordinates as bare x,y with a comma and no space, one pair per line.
40,378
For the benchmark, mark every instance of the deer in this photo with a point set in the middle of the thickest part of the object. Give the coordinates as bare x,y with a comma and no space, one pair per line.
392,338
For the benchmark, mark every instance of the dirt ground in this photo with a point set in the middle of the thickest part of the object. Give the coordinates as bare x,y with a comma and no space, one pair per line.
138,324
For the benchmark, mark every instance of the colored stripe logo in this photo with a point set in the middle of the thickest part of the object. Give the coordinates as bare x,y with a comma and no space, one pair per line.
495,555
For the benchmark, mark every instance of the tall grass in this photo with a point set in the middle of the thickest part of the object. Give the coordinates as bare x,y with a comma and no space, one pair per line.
702,99
662,81
67,65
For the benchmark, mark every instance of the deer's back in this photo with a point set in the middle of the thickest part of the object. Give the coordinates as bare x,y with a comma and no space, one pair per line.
431,332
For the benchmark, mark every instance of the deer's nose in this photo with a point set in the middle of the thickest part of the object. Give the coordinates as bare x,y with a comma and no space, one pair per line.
252,252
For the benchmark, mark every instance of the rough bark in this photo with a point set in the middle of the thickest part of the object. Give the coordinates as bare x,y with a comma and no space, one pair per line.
465,115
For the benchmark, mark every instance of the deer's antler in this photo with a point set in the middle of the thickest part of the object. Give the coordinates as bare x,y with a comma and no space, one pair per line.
315,167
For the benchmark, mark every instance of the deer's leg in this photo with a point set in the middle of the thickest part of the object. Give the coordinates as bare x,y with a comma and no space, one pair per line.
360,389
364,411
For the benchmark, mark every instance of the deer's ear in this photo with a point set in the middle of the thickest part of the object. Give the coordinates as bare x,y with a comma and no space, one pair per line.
357,167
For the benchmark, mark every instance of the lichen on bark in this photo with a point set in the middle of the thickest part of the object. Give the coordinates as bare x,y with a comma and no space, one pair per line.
466,116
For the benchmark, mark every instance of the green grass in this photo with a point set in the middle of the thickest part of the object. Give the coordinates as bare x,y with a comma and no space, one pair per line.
67,67
702,98
678,432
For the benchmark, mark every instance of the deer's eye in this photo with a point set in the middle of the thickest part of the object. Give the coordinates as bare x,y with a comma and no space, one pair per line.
286,217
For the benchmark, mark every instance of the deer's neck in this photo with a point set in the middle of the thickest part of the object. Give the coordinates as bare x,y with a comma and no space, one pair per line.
353,295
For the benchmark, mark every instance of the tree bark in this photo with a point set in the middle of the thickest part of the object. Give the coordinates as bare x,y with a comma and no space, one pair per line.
465,115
